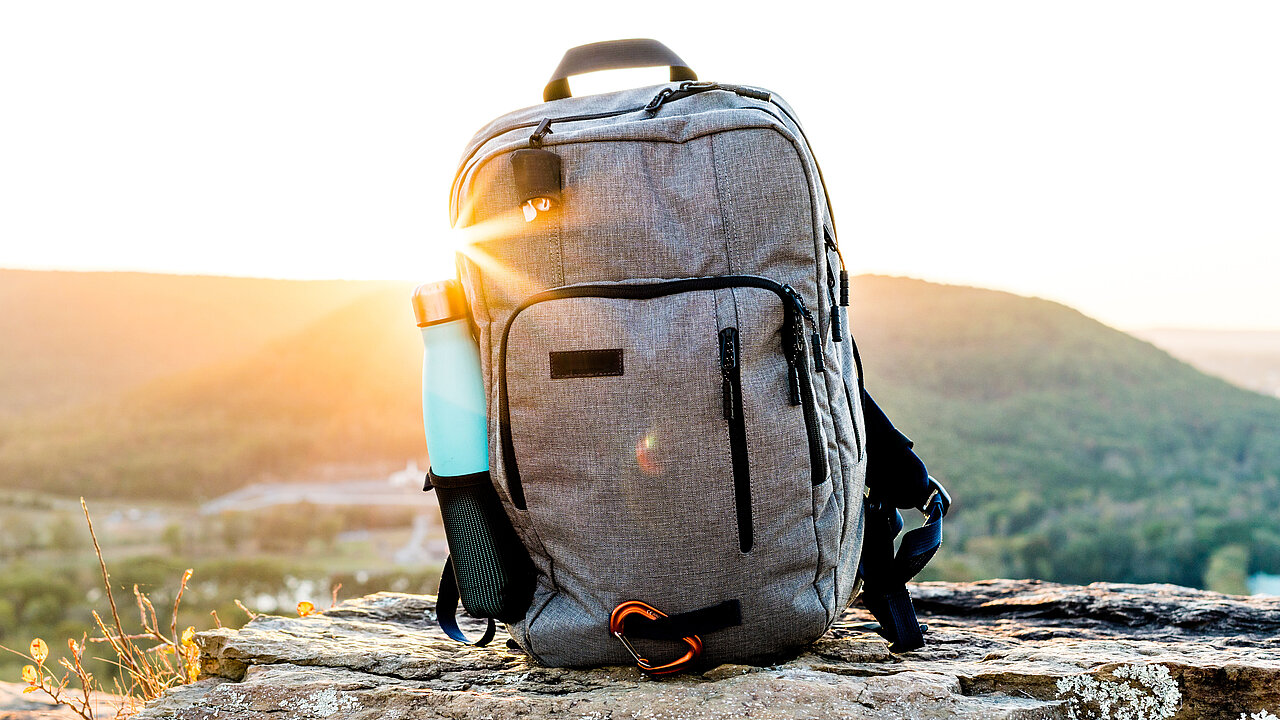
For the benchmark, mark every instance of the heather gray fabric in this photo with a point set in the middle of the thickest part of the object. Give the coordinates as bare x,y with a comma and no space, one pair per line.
628,479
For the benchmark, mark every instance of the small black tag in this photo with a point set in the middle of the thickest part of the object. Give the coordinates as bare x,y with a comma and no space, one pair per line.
586,363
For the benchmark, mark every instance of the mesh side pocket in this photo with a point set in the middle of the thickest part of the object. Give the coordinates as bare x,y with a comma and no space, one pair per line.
491,565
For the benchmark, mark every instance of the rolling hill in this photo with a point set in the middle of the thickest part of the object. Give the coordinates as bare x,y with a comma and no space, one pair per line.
72,338
1080,453
1076,452
341,389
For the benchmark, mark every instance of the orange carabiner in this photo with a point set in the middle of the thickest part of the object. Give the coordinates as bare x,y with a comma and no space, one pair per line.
635,607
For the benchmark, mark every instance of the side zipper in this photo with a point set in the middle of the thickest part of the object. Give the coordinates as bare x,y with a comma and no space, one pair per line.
837,335
793,349
731,373
802,381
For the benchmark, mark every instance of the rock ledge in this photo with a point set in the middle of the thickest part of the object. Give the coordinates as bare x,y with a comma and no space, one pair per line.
997,649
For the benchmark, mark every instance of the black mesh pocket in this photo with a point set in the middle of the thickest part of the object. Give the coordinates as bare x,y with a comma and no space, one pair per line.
490,564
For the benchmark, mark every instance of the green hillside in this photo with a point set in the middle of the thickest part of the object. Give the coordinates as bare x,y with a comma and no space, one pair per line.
1075,452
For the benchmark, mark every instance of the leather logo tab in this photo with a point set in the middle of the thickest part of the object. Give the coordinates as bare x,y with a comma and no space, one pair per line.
586,363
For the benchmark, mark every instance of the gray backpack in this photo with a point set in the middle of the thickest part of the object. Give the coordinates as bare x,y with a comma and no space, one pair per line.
677,433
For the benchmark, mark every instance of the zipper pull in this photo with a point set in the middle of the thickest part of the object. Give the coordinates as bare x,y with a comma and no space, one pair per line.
685,89
798,301
729,369
844,273
836,335
805,316
543,129
793,380
754,94
658,99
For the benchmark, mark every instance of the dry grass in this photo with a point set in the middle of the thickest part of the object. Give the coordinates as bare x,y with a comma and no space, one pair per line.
151,661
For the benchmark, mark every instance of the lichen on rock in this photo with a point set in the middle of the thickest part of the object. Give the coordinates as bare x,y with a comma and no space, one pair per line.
1139,692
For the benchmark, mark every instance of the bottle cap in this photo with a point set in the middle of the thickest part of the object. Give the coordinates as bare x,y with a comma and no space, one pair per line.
438,302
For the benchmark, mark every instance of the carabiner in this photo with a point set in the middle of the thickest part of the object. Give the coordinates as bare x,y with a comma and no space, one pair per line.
635,607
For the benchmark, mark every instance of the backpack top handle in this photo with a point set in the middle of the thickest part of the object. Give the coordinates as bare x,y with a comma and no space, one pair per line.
614,55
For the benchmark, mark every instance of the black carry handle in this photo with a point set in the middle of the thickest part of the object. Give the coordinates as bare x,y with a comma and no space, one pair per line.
613,55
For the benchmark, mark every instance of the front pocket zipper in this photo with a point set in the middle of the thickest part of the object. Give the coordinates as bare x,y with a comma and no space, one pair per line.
732,383
793,350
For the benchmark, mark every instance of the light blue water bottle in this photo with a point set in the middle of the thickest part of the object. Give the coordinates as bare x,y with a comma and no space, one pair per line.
488,568
453,404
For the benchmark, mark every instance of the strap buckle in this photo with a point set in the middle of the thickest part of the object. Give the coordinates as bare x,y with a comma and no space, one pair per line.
635,607
937,494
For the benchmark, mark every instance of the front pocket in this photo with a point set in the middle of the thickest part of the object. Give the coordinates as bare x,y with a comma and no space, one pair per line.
625,470
791,350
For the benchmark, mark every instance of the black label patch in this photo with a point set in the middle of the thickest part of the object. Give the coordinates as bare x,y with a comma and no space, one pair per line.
586,363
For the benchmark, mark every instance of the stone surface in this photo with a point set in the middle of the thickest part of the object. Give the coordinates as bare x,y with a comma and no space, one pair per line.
997,649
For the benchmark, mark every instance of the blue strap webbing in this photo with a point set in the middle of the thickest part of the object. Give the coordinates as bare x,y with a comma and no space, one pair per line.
885,574
447,609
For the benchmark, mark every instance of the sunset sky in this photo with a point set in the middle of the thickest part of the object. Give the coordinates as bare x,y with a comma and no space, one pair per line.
1122,157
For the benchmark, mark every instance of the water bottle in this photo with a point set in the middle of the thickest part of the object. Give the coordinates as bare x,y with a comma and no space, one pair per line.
453,404
490,567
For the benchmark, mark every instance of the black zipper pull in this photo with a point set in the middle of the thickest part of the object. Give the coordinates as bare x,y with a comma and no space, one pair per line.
819,363
795,339
685,89
658,99
844,273
728,369
543,129
793,380
805,316
754,94
836,335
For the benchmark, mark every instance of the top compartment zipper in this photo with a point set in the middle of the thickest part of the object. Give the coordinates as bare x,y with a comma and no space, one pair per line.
542,127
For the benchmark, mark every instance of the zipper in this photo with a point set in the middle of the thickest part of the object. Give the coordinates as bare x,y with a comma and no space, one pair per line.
835,306
837,335
793,348
817,451
829,238
731,373
666,95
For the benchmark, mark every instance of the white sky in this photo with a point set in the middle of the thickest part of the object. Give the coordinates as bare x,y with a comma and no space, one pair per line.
1122,157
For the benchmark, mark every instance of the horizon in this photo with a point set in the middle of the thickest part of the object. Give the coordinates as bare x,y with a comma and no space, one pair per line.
1103,156
1134,329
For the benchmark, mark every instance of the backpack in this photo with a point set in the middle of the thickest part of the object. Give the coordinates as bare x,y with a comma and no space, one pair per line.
679,433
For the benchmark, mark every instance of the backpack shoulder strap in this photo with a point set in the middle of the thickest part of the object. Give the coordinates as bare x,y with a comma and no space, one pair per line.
896,478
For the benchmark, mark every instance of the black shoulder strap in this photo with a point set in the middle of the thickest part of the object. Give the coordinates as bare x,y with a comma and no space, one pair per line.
896,477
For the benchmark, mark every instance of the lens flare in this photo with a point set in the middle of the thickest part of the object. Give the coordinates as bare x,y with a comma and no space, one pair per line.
647,455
